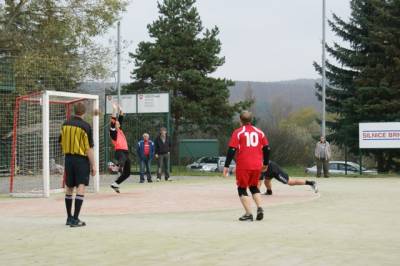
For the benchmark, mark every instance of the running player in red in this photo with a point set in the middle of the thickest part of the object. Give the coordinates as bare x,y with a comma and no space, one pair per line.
252,156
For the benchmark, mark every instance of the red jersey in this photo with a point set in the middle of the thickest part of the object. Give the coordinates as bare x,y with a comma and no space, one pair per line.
248,142
120,143
146,148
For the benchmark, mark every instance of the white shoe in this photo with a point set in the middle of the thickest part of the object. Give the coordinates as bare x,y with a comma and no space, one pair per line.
115,184
158,179
315,187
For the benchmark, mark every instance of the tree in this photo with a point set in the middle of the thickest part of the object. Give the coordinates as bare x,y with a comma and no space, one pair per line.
364,84
179,60
291,134
305,118
51,42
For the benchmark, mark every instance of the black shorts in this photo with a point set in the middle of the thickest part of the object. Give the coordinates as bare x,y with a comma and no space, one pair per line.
281,177
121,157
264,176
77,170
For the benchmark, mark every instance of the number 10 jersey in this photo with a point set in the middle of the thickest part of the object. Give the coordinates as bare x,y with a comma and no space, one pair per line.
248,142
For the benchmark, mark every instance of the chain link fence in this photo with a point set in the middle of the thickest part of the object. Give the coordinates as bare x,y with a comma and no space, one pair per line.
28,74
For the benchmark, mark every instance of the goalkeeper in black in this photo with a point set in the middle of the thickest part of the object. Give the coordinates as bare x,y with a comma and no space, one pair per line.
275,171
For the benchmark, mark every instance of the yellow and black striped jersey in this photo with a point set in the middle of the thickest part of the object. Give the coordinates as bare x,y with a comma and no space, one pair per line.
76,136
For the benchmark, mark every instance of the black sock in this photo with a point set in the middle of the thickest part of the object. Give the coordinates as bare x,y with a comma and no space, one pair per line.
68,204
78,205
310,183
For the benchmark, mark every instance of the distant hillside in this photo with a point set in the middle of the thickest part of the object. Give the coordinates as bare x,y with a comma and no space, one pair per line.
298,93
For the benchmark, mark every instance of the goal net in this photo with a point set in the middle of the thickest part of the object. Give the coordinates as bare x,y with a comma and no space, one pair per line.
37,166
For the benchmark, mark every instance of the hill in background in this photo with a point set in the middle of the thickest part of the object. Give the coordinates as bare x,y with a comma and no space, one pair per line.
294,93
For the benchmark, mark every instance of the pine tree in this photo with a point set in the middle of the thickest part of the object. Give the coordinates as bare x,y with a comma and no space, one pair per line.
363,85
179,60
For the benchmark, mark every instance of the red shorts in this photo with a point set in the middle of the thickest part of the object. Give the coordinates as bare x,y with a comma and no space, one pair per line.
247,178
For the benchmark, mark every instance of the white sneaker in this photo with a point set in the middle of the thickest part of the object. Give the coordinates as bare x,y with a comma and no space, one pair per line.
158,179
115,186
314,187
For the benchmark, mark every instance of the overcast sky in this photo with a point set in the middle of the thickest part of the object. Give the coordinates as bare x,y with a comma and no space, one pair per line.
262,40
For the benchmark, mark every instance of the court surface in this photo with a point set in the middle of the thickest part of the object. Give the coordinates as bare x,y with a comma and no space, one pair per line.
193,221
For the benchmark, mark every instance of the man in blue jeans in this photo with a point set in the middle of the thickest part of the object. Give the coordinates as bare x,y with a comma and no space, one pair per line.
145,151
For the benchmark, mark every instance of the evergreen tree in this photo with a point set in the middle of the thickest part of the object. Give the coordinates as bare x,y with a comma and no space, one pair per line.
179,60
364,84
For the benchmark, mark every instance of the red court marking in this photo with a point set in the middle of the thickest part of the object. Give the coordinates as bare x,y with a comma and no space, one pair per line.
147,199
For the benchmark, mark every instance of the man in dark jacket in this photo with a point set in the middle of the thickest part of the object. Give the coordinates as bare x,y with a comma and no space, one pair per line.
162,153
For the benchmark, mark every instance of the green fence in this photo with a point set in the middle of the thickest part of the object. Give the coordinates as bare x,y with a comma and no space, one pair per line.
134,125
7,77
190,149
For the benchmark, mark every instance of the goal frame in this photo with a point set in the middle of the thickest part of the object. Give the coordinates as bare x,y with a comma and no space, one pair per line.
45,106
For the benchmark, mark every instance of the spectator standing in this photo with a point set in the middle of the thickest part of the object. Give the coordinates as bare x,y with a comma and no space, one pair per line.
322,156
145,151
162,153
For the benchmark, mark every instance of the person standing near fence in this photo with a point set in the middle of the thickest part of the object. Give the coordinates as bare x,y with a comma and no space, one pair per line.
77,144
145,151
120,146
162,153
252,156
322,155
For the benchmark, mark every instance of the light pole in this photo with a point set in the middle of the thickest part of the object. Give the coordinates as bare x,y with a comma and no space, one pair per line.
323,68
119,63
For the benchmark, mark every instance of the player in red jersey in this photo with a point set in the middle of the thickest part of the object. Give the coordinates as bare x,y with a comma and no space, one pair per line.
252,156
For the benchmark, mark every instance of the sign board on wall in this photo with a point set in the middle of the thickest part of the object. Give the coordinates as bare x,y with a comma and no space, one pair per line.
153,103
128,103
379,135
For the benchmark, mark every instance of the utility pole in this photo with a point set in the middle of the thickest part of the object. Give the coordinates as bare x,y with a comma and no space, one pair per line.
323,68
119,62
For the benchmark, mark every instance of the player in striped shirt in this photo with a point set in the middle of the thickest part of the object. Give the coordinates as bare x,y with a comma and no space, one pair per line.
76,141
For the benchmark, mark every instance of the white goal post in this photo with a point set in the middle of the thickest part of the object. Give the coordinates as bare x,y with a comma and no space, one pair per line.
37,161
